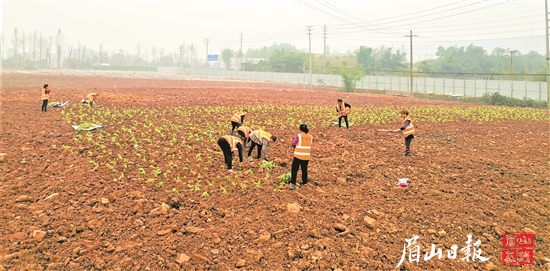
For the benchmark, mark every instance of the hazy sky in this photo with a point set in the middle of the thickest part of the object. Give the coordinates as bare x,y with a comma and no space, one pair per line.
518,24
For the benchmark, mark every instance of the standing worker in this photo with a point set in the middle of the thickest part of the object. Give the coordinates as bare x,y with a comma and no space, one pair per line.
237,120
261,139
45,97
408,131
343,109
302,154
244,133
90,98
229,144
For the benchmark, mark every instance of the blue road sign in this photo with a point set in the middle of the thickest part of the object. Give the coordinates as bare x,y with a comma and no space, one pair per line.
212,57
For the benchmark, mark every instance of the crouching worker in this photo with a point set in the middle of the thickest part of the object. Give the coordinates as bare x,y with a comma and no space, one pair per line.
302,155
90,98
229,144
261,139
244,133
237,120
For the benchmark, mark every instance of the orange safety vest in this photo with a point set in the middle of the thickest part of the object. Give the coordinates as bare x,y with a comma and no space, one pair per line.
341,107
233,141
44,95
261,134
409,130
90,97
245,130
303,148
237,117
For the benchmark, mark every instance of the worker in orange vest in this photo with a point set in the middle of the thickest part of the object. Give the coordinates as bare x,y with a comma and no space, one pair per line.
90,98
261,139
45,97
229,144
244,133
343,109
408,131
302,155
237,120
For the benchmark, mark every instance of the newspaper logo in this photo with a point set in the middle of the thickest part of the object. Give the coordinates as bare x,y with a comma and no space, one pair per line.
517,249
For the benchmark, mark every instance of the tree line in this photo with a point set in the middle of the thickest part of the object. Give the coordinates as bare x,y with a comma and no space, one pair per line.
35,50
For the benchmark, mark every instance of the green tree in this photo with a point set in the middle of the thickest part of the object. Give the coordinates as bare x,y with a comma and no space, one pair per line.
227,54
365,58
351,73
287,61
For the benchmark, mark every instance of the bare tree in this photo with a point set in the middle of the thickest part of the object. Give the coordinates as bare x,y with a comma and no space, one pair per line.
78,48
15,42
41,46
138,50
154,53
23,43
49,51
146,54
192,54
100,52
83,58
33,44
70,50
2,44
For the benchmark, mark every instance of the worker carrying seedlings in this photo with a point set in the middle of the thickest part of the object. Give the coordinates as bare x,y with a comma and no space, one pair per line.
302,155
229,144
343,109
244,133
237,120
261,139
90,99
408,131
45,97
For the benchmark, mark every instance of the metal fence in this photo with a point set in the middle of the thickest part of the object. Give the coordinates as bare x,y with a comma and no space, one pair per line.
449,86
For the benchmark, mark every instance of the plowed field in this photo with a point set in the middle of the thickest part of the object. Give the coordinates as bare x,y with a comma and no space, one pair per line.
149,190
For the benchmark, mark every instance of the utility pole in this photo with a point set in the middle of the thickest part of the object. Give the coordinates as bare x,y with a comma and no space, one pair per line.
206,42
511,62
241,53
547,55
411,36
324,48
309,33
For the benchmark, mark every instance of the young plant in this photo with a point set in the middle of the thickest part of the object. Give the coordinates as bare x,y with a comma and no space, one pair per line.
267,165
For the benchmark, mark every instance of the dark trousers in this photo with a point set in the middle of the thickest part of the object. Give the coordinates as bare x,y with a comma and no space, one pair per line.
44,105
340,121
296,164
252,146
227,153
241,133
234,126
408,141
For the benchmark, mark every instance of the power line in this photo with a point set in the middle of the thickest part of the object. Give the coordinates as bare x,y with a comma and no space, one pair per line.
421,16
380,29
